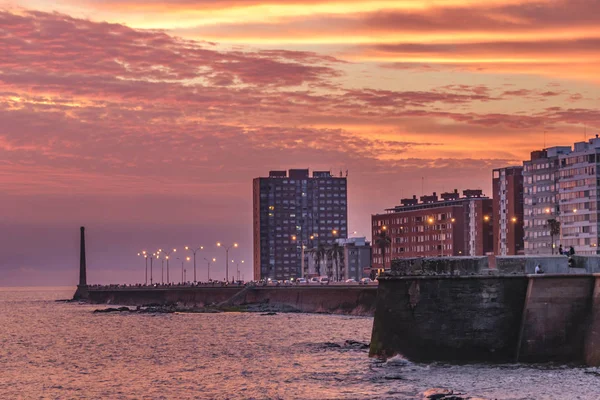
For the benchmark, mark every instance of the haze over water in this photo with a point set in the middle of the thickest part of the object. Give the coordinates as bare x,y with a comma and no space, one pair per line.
50,349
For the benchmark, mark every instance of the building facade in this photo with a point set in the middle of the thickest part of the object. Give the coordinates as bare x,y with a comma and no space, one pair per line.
541,199
355,261
293,211
433,227
578,197
507,186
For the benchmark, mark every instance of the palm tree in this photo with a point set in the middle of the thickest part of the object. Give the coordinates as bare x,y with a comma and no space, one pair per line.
383,241
319,253
554,227
336,252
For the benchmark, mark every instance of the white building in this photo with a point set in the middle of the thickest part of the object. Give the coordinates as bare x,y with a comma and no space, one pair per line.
578,197
540,199
355,261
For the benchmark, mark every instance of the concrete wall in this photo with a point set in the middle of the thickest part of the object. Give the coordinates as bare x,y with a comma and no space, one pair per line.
555,318
183,296
354,300
449,318
507,318
439,266
592,341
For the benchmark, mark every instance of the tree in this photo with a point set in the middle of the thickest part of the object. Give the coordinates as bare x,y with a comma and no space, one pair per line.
336,253
319,254
383,241
554,227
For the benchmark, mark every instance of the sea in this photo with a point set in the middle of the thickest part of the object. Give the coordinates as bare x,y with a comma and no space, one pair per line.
58,350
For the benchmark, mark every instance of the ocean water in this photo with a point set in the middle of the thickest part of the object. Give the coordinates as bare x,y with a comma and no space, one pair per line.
59,350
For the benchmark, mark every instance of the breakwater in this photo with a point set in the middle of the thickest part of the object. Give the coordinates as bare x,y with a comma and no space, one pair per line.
334,299
442,310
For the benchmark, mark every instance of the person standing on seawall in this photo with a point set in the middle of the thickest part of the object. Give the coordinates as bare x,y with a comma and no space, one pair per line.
560,250
571,251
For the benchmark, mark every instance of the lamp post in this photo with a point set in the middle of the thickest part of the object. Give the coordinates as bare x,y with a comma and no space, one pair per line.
238,269
167,256
219,244
208,262
143,253
151,257
194,252
303,244
183,260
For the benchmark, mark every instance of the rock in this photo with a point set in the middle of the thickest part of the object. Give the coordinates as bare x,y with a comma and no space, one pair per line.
437,393
356,345
124,309
269,313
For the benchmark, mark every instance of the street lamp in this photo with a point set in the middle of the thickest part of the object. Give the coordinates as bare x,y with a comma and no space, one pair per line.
303,246
238,269
208,261
167,256
143,253
151,257
219,244
194,251
183,260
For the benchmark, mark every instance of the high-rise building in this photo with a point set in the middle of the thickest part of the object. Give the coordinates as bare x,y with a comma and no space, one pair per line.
540,199
578,197
433,227
292,212
355,261
507,185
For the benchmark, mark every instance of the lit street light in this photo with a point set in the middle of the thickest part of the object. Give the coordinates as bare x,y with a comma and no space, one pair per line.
143,253
167,256
194,252
227,258
208,262
183,260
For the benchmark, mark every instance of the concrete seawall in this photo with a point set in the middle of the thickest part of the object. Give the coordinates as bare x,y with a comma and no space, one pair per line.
505,318
351,300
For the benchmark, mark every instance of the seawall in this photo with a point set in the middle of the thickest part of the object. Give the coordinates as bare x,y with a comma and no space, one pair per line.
480,315
351,300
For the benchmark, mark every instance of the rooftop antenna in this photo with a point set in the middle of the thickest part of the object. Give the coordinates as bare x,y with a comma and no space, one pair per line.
422,186
544,139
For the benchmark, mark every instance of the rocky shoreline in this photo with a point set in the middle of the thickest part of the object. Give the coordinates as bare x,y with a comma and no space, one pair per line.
265,309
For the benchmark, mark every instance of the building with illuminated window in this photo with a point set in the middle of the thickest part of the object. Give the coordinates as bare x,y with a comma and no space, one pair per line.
293,212
507,186
578,197
541,199
432,227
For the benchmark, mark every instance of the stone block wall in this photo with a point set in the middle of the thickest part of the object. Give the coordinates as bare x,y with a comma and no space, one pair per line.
439,266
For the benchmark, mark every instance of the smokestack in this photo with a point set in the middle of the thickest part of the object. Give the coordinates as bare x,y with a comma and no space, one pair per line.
82,289
82,263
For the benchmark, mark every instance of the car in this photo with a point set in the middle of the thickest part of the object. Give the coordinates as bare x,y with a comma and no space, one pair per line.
323,280
351,280
365,281
301,280
314,280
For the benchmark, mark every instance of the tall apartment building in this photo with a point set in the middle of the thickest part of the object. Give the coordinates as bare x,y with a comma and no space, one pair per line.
355,262
433,227
540,198
578,197
507,185
292,210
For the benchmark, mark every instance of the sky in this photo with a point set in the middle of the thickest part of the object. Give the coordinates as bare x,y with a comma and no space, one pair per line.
146,121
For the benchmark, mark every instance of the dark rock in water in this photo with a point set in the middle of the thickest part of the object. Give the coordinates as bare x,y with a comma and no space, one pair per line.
437,393
331,345
107,310
356,345
269,313
124,309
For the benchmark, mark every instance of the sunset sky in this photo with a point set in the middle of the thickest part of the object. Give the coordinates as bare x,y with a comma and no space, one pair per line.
146,121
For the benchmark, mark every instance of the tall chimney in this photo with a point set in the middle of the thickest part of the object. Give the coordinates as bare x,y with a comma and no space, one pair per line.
82,292
82,264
